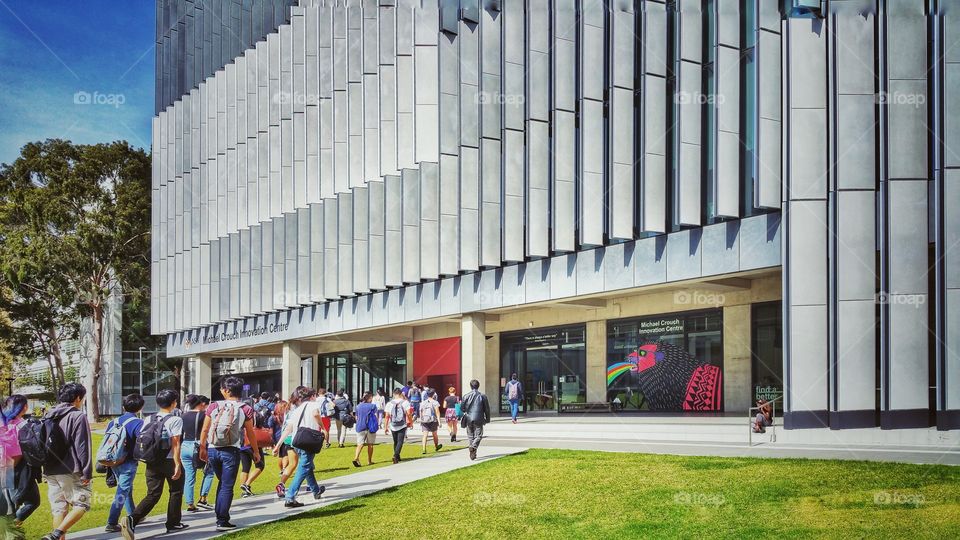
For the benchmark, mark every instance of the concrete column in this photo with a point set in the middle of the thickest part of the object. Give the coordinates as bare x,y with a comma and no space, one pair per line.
737,394
201,371
473,350
409,363
290,367
596,361
492,372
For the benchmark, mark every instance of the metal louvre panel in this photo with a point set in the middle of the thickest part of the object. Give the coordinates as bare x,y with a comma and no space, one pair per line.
726,167
410,208
377,222
767,188
300,99
469,208
256,269
355,93
514,58
449,106
426,82
687,187
266,266
205,275
490,179
371,127
393,231
406,131
429,220
279,290
564,181
491,60
234,288
469,38
361,233
652,197
388,120
591,141
312,113
330,248
304,268
316,252
287,143
621,125
513,195
449,201
538,188
341,103
215,261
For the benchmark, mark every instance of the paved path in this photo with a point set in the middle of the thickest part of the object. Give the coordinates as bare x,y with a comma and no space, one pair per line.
267,508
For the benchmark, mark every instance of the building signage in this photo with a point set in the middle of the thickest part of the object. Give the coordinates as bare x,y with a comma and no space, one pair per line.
241,334
667,326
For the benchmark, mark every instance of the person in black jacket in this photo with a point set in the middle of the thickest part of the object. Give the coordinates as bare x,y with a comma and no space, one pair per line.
476,414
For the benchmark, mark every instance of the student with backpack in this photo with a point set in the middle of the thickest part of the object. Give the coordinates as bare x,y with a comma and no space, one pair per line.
19,478
305,417
367,427
414,397
430,420
190,453
328,412
158,447
116,451
344,410
398,420
223,430
514,392
380,401
248,471
61,443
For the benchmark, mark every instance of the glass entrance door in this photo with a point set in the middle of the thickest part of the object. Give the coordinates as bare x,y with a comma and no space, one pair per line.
551,364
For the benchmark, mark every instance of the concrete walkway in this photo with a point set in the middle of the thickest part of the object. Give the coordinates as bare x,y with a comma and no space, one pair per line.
267,508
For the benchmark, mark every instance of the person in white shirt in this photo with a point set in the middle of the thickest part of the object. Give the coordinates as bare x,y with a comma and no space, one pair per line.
397,420
380,401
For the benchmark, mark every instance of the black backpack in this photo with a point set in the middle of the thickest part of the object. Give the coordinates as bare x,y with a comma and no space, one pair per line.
41,439
150,447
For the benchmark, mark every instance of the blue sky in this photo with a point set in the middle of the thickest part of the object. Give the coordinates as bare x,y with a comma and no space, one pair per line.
56,53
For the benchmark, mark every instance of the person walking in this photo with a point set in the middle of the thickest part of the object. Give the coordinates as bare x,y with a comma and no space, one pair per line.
514,392
343,408
283,448
190,454
307,415
158,446
19,478
380,401
223,430
248,470
452,412
414,396
368,424
398,420
130,423
476,414
328,412
430,420
68,469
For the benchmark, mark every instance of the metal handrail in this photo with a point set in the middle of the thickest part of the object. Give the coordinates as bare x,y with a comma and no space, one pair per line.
773,420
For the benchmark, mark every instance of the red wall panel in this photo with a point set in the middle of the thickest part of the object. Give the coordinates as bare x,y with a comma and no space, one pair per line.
436,363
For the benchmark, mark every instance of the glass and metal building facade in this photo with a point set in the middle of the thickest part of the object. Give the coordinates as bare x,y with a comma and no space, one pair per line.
663,206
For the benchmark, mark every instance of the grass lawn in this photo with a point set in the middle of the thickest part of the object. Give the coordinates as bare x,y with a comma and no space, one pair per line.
329,463
574,494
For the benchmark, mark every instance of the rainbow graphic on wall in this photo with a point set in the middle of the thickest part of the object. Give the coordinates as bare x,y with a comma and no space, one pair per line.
617,370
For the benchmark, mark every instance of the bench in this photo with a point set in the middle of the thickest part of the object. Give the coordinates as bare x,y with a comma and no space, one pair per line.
583,406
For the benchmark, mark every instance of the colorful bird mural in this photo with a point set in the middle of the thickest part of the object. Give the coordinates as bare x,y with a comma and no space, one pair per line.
670,378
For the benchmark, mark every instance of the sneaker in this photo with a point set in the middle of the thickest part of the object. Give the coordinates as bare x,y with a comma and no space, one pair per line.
50,536
439,446
226,526
319,493
292,504
327,446
356,463
245,491
112,529
396,460
473,454
281,490
126,528
176,528
453,438
424,451
192,508
204,505
340,445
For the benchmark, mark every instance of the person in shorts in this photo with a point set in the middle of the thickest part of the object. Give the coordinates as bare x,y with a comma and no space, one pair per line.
69,470
430,420
450,414
247,477
367,418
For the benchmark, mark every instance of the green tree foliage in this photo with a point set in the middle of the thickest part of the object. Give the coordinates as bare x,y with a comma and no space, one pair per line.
74,224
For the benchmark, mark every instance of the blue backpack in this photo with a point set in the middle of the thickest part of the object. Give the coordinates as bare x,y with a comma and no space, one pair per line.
113,449
373,423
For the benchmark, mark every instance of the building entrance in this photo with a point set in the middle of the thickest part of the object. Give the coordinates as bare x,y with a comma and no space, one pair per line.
550,362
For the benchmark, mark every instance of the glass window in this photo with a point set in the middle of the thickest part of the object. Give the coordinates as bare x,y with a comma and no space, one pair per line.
364,370
666,363
550,362
766,337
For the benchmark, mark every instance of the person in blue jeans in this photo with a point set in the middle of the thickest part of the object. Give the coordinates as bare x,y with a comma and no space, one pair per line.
307,414
192,421
126,471
223,430
514,392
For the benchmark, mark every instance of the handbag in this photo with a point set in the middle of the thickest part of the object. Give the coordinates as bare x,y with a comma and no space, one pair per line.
458,410
197,462
307,439
264,436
